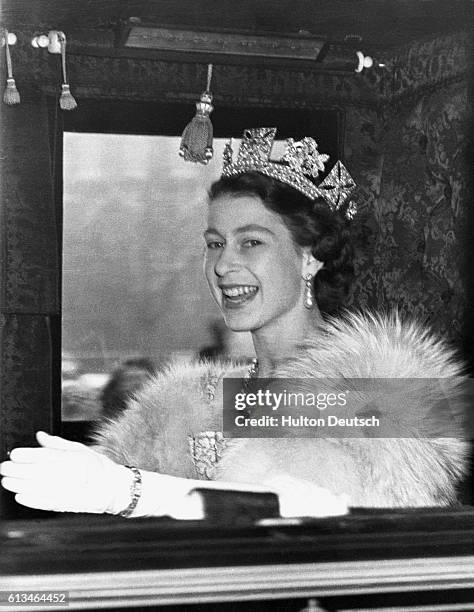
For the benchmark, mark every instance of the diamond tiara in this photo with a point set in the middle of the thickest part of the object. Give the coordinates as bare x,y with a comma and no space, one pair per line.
300,161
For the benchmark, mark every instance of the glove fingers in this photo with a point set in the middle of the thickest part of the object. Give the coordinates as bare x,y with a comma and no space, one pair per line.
63,476
45,503
54,476
35,455
58,443
20,470
18,485
55,504
35,502
68,495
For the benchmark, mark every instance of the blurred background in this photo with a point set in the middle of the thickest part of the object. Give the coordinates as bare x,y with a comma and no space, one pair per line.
134,292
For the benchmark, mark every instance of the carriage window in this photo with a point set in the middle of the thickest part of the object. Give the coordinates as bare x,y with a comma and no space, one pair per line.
134,294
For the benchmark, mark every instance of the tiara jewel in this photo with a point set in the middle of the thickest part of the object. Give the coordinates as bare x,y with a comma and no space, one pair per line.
338,186
300,161
303,156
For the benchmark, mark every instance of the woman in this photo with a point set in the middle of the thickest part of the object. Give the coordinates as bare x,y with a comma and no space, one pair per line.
277,257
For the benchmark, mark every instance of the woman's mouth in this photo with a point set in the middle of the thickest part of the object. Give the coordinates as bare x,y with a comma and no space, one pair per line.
238,295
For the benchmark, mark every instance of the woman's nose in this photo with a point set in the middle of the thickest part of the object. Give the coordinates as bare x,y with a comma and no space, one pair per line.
227,261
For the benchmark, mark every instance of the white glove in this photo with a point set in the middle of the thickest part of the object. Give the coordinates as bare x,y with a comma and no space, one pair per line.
66,476
302,498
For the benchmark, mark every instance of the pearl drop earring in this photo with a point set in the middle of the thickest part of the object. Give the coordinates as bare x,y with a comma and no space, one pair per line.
308,294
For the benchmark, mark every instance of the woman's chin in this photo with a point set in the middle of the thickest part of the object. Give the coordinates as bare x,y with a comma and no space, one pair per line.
238,326
238,322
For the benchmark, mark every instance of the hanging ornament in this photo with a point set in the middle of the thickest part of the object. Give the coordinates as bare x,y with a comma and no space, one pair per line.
196,141
66,99
10,95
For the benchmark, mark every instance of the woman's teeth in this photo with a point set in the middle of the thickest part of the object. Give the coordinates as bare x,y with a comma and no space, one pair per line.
233,292
235,297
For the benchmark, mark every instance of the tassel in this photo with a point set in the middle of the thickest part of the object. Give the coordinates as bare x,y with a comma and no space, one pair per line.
66,99
10,95
196,141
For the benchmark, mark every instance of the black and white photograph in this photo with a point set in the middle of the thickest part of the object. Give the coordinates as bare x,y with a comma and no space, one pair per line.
237,305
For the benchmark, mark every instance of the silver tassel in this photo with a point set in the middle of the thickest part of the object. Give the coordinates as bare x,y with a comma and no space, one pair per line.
66,99
196,141
10,95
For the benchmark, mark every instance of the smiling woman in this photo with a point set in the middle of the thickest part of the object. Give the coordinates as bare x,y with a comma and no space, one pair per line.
253,260
271,233
139,310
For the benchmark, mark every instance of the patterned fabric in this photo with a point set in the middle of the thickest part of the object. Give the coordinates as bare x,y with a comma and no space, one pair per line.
29,264
206,449
410,166
209,385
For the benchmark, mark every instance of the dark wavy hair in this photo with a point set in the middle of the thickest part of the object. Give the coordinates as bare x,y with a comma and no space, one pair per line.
311,224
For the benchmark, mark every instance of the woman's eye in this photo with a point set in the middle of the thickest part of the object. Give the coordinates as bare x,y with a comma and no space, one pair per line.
214,245
251,243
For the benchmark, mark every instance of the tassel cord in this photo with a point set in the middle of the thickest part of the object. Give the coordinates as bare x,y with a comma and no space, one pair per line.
8,56
63,57
209,77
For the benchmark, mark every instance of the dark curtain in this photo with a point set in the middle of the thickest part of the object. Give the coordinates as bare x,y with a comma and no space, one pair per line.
411,235
29,277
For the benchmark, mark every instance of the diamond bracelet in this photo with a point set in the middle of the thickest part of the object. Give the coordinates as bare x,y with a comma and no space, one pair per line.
135,491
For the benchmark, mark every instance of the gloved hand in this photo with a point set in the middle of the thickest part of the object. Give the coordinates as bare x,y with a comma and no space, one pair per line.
302,498
66,476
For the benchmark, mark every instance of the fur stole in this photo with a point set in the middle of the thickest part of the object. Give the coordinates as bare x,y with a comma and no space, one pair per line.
158,429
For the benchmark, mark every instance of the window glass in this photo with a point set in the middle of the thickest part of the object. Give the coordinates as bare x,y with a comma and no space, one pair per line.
133,285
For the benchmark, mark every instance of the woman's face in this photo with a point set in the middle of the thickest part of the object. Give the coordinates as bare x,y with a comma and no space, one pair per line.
252,265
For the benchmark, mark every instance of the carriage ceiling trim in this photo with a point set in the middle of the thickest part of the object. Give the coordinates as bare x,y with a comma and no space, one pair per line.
384,23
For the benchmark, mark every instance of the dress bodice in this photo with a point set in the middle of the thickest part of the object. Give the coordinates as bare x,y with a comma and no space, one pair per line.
206,449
